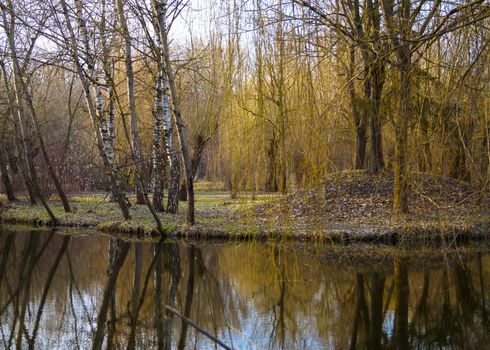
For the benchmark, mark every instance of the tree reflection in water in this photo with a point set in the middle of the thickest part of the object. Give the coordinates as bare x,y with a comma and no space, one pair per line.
60,291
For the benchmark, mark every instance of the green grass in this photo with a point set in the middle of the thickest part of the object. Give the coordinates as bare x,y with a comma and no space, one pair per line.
214,213
219,215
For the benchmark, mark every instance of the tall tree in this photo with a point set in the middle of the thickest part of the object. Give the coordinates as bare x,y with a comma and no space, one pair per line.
9,27
160,15
89,82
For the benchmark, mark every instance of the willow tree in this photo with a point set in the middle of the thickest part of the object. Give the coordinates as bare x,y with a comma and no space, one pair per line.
410,28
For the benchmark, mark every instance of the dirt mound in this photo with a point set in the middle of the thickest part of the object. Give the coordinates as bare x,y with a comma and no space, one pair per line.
360,197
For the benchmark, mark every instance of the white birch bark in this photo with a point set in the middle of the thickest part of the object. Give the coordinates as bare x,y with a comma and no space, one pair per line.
173,159
103,140
100,121
157,161
159,9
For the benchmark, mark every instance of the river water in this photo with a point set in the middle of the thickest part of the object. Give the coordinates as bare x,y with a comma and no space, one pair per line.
90,291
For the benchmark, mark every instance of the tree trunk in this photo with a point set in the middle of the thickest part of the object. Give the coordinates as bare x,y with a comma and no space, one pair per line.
376,78
24,127
173,159
160,9
281,101
20,161
104,145
359,120
183,192
108,67
183,146
163,107
51,172
136,144
400,168
271,181
21,89
197,151
157,161
485,160
19,153
9,190
142,196
375,124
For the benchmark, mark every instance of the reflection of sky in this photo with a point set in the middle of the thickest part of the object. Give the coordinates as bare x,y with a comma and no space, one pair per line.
255,333
389,323
67,327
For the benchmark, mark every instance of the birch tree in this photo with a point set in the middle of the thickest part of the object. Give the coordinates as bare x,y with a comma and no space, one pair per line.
157,149
92,88
160,13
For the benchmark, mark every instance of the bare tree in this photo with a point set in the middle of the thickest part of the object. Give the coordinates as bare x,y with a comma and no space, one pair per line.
160,13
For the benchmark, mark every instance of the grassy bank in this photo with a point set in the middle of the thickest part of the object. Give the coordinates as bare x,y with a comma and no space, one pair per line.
347,207
216,216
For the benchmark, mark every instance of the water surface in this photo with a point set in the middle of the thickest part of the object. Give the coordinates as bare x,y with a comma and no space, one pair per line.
81,292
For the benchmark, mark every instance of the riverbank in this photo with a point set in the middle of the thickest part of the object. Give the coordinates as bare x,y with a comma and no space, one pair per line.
217,216
348,206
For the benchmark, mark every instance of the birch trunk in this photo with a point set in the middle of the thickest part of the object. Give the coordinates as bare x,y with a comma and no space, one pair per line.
163,106
106,150
173,159
141,192
160,9
108,67
157,161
